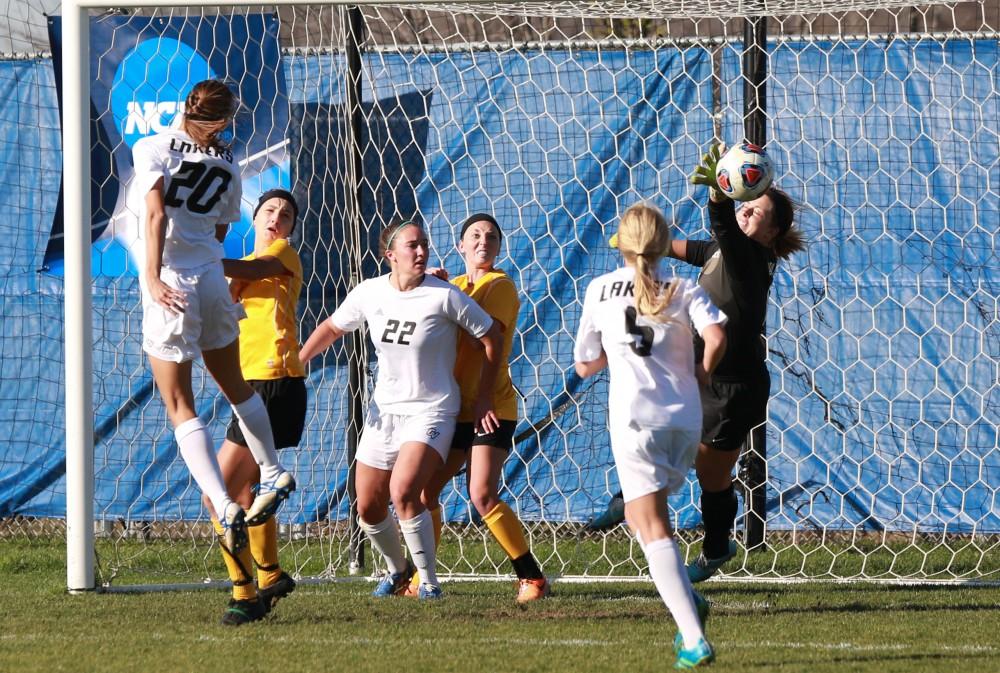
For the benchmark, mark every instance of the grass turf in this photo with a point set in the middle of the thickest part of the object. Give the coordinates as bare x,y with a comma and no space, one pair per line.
583,628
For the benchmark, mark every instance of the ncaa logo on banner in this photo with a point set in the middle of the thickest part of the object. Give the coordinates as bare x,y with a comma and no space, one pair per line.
150,86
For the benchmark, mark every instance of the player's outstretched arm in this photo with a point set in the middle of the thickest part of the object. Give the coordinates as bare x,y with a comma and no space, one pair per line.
678,249
324,336
254,269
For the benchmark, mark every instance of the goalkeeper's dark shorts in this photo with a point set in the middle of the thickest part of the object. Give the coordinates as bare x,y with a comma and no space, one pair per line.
285,400
731,409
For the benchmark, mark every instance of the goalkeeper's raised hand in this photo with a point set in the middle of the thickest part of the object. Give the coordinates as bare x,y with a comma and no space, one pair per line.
704,173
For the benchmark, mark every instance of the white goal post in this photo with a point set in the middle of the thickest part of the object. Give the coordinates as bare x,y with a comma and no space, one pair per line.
882,459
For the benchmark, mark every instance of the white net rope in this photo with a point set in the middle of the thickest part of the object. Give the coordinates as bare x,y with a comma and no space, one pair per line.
881,444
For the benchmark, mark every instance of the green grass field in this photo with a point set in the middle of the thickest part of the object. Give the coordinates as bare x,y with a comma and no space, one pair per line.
583,628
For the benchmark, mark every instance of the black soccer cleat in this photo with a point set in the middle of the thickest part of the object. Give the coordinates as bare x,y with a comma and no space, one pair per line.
242,612
271,594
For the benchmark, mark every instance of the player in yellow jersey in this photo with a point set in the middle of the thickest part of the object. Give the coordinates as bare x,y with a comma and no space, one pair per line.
267,282
485,453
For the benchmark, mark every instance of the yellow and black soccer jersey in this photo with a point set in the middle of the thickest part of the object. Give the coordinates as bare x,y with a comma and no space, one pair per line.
496,293
269,344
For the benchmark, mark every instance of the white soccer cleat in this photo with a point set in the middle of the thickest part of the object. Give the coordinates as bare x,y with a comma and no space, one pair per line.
270,495
234,529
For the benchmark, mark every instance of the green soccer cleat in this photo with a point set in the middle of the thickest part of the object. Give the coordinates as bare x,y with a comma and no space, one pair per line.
700,654
702,568
702,607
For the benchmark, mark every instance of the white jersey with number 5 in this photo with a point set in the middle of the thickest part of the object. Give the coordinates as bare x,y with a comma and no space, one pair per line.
651,363
201,188
415,335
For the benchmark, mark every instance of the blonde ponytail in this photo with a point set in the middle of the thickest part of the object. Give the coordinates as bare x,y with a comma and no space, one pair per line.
644,239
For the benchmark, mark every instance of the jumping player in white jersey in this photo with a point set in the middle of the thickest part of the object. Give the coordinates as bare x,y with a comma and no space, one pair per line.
187,190
640,328
412,318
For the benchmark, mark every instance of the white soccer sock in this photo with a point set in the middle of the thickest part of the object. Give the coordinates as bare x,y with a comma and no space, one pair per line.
638,538
419,535
199,455
384,537
671,580
256,426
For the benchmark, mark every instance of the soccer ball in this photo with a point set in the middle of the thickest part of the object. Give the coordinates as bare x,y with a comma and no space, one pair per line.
744,172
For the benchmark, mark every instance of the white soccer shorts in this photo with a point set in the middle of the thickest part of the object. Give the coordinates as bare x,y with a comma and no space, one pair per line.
210,320
384,434
649,460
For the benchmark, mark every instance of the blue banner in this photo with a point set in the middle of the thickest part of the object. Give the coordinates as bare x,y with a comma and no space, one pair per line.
139,83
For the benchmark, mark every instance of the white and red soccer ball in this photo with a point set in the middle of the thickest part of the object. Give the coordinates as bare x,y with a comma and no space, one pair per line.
744,172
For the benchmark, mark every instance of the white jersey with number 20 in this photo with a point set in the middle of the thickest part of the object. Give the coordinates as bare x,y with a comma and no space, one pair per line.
651,363
201,189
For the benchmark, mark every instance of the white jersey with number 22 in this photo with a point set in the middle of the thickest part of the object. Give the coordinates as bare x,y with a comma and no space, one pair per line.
415,335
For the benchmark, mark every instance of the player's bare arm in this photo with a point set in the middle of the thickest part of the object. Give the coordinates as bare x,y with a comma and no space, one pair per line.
715,347
585,369
492,343
254,269
156,231
324,336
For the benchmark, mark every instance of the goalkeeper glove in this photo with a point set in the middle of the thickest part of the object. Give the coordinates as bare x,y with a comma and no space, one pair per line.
704,173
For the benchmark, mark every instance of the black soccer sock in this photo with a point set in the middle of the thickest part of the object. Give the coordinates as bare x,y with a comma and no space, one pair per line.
718,513
526,567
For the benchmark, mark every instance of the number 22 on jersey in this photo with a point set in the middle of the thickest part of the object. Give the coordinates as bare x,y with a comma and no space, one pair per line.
398,332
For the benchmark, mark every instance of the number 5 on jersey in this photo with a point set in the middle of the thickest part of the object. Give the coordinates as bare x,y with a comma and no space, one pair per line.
642,337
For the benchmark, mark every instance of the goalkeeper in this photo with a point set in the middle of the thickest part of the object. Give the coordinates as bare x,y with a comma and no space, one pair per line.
268,283
737,268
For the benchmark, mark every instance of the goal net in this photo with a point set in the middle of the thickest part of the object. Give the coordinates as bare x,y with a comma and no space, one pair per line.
881,454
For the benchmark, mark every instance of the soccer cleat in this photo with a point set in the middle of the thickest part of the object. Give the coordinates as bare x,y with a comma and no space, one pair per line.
429,592
532,590
394,584
272,593
609,518
702,607
270,495
234,529
702,653
242,612
412,589
702,568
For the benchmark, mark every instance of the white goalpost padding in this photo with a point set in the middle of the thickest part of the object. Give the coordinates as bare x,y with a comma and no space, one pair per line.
882,337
